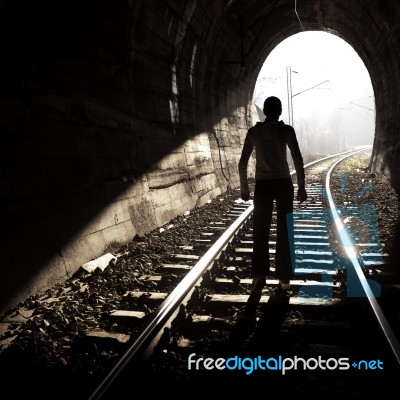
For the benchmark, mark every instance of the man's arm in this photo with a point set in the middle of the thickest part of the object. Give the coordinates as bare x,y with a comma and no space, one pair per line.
248,147
298,165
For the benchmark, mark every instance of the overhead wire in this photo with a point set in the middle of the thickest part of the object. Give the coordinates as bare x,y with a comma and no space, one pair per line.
295,10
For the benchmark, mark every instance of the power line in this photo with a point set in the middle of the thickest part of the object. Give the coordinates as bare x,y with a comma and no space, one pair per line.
358,105
295,10
311,88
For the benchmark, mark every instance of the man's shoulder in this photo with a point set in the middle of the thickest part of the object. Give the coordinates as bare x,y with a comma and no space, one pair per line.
286,127
271,125
255,127
283,124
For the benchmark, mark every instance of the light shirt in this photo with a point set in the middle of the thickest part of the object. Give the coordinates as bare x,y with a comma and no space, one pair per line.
270,138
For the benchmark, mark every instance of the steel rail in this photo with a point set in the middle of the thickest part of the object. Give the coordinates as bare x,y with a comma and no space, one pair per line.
349,248
349,152
183,288
170,303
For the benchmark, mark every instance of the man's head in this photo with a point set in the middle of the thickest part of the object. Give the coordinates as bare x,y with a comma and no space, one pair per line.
272,108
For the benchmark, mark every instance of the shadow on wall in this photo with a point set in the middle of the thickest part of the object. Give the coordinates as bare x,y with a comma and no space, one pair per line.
91,153
71,206
78,116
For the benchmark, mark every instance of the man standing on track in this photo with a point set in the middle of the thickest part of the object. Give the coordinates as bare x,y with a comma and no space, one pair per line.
270,140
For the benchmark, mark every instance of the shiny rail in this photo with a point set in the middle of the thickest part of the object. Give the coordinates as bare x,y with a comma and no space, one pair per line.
349,248
144,342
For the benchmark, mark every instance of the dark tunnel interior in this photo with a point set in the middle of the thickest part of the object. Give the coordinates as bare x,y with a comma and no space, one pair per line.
118,116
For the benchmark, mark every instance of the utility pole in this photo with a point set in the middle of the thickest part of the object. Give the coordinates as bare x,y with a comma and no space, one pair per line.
290,94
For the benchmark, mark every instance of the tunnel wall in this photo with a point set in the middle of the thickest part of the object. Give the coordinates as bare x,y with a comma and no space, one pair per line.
118,116
108,131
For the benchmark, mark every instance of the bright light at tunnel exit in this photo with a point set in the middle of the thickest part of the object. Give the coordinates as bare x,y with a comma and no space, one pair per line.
332,99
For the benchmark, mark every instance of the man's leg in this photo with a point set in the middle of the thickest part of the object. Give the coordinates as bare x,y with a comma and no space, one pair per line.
285,230
262,216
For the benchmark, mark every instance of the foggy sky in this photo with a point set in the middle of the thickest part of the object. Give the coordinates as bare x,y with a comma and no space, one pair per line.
344,106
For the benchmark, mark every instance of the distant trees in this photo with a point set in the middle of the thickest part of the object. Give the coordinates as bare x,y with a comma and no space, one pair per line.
317,137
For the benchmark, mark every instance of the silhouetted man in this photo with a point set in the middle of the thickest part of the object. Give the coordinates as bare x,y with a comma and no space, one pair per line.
270,140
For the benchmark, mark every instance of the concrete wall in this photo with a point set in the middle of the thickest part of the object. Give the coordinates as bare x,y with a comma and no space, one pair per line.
118,116
107,131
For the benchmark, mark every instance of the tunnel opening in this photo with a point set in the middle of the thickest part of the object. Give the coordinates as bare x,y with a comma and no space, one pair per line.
325,89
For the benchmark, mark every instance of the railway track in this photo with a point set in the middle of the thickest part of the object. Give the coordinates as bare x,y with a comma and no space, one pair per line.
328,328
104,333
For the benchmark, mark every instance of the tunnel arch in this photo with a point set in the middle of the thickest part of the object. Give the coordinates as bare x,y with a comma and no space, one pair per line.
369,29
90,153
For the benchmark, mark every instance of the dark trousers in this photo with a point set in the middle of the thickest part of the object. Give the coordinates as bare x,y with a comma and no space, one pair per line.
266,191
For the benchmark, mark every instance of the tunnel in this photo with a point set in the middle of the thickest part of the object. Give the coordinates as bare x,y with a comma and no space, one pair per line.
118,116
